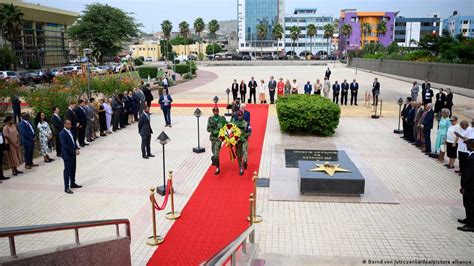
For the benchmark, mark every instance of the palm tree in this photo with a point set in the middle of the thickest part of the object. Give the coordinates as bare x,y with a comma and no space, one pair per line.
366,29
328,32
346,30
184,32
166,27
199,26
11,23
311,31
277,33
262,34
213,28
381,29
294,34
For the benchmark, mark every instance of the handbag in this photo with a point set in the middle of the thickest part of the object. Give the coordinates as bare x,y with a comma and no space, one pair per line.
443,148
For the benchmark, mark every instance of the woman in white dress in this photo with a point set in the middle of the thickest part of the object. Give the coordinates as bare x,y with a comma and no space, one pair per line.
294,87
261,92
108,114
45,136
326,87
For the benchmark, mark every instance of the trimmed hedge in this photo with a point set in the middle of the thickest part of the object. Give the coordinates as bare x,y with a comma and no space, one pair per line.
308,114
182,68
143,72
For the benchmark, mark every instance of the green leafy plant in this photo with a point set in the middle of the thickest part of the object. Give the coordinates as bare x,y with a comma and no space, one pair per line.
182,68
213,48
145,71
308,114
137,61
187,76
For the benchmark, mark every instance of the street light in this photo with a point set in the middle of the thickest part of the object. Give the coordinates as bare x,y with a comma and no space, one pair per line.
87,52
215,100
164,139
228,103
399,102
198,149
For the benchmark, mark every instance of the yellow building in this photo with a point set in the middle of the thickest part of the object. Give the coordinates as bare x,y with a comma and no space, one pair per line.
43,38
153,50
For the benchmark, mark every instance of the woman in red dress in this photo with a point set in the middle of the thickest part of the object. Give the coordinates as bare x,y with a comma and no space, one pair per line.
280,88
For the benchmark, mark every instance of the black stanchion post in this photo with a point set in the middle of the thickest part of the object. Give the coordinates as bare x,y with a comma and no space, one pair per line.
215,100
164,139
198,149
228,103
399,102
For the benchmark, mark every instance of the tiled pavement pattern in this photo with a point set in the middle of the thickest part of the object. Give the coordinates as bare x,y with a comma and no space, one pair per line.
116,182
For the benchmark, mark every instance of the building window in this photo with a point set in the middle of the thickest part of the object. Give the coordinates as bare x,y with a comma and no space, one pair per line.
241,45
465,22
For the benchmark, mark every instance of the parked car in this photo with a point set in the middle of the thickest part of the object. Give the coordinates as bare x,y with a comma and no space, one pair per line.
104,70
149,59
246,57
282,57
193,57
267,57
66,70
36,76
10,76
25,78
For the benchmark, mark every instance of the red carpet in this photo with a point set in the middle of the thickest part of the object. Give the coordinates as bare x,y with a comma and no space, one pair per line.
216,212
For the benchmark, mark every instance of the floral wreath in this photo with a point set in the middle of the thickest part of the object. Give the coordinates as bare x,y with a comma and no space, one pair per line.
230,135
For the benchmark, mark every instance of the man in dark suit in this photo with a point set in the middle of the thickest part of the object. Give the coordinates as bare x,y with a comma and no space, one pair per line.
410,123
252,90
82,119
69,151
148,95
272,84
72,116
467,189
336,88
165,104
16,107
57,127
243,91
235,89
145,131
427,94
27,139
328,73
375,92
406,109
427,125
354,90
344,92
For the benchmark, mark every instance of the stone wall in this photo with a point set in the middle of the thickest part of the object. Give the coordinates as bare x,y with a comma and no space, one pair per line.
449,74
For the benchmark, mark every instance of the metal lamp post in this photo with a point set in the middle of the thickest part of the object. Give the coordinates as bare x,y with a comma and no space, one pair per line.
87,52
163,139
228,103
198,149
399,102
215,100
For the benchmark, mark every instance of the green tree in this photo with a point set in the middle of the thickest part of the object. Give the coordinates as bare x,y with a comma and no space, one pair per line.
346,30
213,27
381,29
213,48
104,29
277,33
184,32
294,34
199,26
262,29
311,31
167,27
366,29
166,48
328,33
7,58
11,23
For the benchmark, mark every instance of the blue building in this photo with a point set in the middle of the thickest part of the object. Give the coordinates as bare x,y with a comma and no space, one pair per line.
409,31
250,13
457,24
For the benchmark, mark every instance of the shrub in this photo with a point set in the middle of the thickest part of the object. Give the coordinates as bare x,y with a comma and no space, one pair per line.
45,98
193,67
137,61
213,48
308,114
182,68
144,71
413,56
187,76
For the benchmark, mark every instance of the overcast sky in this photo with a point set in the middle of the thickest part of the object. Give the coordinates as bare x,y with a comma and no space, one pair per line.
151,12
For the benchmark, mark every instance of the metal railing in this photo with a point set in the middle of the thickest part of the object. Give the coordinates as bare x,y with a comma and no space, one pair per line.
231,249
12,232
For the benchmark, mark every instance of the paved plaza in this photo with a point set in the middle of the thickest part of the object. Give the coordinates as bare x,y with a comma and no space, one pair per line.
421,225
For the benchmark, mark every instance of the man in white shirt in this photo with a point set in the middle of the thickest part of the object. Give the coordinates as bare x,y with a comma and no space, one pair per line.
466,133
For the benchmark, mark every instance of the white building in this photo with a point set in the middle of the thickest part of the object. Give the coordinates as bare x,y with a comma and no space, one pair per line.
409,31
304,45
250,13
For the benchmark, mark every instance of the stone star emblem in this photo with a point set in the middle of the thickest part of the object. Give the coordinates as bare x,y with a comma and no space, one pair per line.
330,169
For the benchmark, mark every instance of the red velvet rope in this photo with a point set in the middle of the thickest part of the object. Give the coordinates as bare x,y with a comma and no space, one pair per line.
165,201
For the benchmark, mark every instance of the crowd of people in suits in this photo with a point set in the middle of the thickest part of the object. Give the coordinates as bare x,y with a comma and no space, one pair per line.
340,92
87,119
453,137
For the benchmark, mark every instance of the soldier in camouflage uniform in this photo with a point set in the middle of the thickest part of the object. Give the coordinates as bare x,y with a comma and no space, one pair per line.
242,145
214,124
